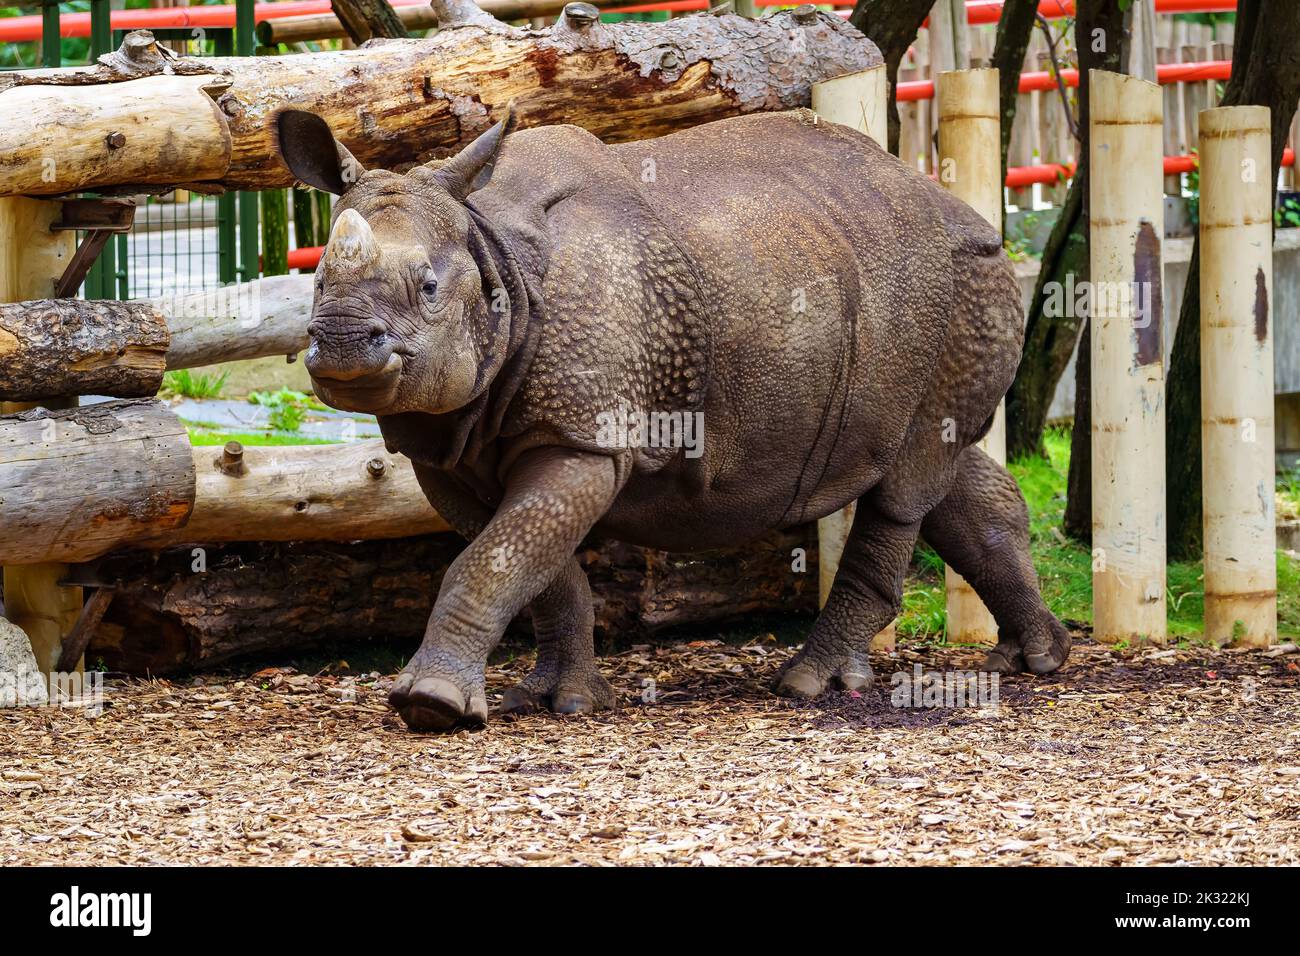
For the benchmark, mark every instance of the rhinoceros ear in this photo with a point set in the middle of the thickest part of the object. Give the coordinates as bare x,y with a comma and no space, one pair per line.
471,168
313,155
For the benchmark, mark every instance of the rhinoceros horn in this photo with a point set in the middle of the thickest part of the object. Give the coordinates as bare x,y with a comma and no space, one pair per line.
352,244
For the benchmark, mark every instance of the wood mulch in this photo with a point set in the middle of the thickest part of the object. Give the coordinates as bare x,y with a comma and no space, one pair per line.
1174,756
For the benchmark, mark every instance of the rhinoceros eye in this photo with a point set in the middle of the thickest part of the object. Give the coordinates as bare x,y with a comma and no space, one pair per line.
430,288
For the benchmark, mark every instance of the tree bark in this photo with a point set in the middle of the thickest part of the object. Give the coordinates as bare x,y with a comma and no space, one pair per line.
78,482
1015,27
1050,333
1265,72
397,102
363,19
892,25
261,598
51,348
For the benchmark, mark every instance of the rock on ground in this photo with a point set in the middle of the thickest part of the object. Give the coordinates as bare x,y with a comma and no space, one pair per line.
21,682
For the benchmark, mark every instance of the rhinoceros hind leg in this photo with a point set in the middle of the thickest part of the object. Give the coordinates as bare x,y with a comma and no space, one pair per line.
981,528
864,598
565,679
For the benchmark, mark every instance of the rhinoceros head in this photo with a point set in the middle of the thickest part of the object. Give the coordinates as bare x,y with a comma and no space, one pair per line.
400,320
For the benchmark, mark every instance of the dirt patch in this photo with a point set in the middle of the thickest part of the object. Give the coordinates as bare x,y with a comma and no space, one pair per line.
1165,757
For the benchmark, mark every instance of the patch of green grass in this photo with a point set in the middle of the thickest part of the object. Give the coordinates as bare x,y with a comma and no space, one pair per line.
1065,566
1288,494
200,436
191,384
287,407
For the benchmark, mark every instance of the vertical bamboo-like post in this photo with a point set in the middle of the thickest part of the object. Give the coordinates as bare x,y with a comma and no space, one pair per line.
970,167
31,258
860,101
1237,376
1126,223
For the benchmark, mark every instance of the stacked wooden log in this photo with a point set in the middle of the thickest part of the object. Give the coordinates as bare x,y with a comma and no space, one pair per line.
395,102
260,597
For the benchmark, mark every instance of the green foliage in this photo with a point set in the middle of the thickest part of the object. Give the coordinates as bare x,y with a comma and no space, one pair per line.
1194,192
193,384
1287,214
287,407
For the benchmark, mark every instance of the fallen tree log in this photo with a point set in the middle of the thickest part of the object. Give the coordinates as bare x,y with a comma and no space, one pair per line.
57,347
82,481
260,598
250,320
347,492
139,121
79,483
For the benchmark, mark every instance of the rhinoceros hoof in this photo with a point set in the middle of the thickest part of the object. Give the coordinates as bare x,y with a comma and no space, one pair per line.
1040,651
434,703
802,679
566,694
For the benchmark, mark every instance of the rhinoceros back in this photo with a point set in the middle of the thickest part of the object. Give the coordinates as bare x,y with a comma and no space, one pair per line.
788,279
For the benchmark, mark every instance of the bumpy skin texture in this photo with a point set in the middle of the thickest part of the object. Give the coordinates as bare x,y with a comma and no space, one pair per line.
845,327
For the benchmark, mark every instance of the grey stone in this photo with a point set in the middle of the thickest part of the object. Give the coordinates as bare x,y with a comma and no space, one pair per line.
21,681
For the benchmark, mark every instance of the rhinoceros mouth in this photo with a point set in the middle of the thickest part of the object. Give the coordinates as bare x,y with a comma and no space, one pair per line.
369,392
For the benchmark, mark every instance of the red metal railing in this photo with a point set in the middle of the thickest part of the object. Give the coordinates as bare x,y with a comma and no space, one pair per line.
28,28
1041,80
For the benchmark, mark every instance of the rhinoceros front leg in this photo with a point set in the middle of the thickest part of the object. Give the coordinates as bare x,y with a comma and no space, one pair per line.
566,679
865,596
552,499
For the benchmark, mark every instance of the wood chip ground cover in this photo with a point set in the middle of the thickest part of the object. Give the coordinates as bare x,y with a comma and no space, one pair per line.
1146,757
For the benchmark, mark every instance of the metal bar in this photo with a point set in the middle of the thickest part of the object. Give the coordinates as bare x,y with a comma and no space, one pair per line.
51,42
101,28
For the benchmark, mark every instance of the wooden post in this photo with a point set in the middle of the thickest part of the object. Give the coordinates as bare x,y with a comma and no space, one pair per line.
32,257
970,167
860,101
1237,376
1128,373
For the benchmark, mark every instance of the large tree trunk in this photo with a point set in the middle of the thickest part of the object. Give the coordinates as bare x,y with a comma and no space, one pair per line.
51,348
396,102
892,25
269,598
1265,72
363,19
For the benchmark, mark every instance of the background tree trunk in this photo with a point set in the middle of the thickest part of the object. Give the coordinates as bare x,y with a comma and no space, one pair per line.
363,19
1015,27
1100,37
1265,72
892,25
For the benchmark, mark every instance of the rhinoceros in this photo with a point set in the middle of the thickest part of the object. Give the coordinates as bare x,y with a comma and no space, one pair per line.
824,323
